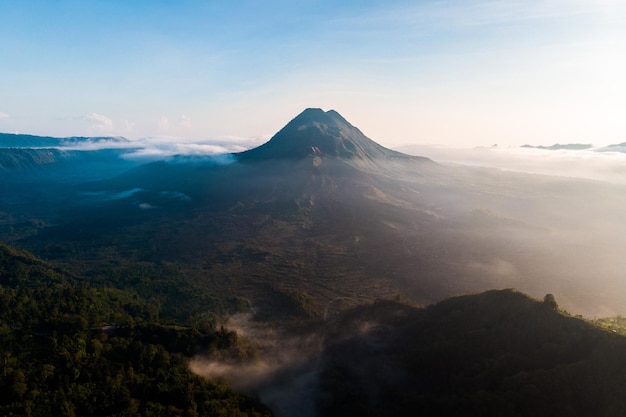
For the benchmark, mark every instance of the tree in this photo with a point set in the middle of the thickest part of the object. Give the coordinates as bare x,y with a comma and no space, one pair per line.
550,301
19,383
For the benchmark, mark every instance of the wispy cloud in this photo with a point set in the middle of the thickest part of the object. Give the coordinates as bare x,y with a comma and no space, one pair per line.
167,125
128,125
185,122
163,124
491,12
99,122
457,14
3,115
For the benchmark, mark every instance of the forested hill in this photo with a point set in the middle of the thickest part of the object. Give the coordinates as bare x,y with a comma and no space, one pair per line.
35,296
71,349
498,353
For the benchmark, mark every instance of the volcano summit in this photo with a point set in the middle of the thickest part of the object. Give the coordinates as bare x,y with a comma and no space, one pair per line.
315,132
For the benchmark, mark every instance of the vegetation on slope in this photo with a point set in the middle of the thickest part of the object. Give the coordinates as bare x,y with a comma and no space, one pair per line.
70,349
499,353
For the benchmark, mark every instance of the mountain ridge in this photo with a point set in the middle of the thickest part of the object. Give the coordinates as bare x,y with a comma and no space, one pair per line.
17,140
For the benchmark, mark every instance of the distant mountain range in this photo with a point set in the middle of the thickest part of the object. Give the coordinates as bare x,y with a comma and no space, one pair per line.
28,158
10,140
558,147
619,147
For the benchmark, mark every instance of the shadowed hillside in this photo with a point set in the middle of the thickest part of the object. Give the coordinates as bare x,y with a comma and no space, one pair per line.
498,353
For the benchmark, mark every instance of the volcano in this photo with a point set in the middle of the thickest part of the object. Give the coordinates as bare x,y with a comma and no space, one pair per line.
317,133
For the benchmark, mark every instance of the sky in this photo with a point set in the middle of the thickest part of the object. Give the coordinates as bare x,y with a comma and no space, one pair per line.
453,73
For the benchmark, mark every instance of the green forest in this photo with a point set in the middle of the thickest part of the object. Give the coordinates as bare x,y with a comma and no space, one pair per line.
72,349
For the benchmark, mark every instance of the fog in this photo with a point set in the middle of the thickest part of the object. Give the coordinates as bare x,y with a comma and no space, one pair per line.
282,370
559,230
291,371
606,163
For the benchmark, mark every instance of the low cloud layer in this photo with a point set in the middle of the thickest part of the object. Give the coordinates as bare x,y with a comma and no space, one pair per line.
152,149
99,119
155,148
605,164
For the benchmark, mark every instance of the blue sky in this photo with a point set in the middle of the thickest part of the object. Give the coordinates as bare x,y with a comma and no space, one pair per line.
458,73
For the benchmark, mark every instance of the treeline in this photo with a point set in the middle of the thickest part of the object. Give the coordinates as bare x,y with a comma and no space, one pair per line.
69,349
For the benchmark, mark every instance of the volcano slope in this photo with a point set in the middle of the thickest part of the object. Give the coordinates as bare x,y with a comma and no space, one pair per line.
321,218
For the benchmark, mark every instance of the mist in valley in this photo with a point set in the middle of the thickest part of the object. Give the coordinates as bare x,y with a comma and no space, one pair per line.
559,216
604,163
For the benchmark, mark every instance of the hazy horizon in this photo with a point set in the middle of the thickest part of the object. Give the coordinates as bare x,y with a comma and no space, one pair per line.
597,162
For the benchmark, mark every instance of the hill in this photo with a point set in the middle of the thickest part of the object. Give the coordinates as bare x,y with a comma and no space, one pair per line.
71,348
498,353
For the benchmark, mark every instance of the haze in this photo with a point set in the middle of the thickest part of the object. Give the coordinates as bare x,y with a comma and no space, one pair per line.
455,73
